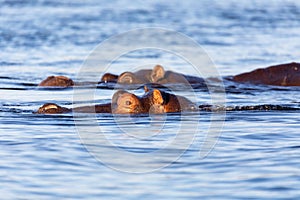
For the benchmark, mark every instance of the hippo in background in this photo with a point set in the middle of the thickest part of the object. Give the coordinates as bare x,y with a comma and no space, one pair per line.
138,77
278,75
123,102
57,81
157,75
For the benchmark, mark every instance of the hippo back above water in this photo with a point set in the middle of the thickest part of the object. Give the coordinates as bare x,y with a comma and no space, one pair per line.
280,75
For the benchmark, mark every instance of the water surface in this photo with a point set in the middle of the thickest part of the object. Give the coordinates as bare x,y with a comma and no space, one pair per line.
42,157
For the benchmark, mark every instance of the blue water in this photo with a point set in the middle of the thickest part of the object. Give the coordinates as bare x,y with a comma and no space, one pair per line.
43,157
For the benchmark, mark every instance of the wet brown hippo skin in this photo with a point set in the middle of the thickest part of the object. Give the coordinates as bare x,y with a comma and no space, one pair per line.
280,75
131,78
153,101
108,77
123,78
142,76
173,77
176,103
57,81
122,103
157,101
51,108
157,75
139,77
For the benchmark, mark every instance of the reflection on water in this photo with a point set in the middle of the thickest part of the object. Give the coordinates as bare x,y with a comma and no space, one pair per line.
42,156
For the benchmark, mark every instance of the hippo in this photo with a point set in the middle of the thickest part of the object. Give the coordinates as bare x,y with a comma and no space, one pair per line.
57,81
51,108
109,78
139,77
153,101
278,75
157,75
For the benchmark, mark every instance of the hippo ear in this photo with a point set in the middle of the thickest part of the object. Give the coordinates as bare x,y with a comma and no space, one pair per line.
157,97
146,89
157,73
116,96
126,77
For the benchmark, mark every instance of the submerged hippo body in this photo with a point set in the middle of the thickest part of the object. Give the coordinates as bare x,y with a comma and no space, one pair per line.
123,102
280,75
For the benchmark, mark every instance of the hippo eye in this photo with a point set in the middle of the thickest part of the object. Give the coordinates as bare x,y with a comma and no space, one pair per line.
127,103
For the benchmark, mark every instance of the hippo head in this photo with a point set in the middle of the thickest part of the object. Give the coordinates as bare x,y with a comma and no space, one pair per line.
51,108
108,77
153,101
130,78
164,102
142,76
126,103
57,81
